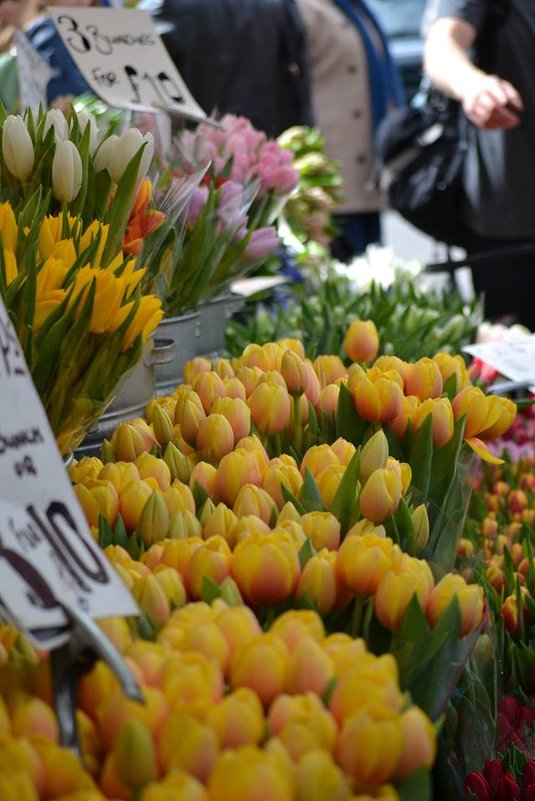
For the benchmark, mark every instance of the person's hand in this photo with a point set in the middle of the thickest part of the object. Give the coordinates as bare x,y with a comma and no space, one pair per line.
492,103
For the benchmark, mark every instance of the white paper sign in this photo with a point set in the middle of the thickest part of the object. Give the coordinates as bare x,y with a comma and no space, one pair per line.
46,551
513,358
33,73
123,59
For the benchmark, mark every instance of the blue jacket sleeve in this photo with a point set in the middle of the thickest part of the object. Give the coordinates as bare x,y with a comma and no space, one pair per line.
66,78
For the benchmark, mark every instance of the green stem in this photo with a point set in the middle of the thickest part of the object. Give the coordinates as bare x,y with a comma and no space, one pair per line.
358,612
277,444
298,425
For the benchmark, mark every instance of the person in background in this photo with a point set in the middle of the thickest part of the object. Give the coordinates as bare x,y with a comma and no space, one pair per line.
354,84
66,78
244,57
499,176
14,15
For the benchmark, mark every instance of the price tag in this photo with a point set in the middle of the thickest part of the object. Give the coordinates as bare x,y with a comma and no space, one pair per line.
46,551
33,73
124,61
513,358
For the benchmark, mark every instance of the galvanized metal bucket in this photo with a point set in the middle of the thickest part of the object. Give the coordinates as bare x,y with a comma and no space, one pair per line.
183,331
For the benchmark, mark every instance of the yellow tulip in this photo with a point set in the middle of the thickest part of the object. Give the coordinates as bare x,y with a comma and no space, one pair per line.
361,341
8,227
10,266
380,496
135,757
148,314
424,379
46,305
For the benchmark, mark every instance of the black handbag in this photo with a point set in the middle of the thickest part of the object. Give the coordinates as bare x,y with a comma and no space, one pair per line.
421,148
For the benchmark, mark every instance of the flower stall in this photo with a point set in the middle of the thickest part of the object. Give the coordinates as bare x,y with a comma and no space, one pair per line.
323,523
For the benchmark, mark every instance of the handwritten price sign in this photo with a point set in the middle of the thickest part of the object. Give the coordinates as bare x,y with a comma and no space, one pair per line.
47,554
124,60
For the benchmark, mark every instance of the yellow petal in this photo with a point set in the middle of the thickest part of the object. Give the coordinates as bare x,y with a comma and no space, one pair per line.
479,447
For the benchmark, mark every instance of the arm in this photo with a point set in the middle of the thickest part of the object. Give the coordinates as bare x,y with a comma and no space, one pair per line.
488,101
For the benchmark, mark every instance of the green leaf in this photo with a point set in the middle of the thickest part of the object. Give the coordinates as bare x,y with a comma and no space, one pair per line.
416,787
199,495
306,552
210,590
450,387
118,211
105,533
345,503
349,424
309,494
421,456
287,495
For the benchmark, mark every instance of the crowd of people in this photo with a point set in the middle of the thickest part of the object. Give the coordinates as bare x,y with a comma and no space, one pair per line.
328,63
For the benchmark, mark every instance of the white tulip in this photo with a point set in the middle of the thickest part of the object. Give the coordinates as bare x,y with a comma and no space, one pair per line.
126,148
66,172
56,119
17,147
101,159
85,119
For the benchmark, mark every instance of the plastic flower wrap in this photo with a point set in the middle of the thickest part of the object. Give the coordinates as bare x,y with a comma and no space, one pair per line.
82,320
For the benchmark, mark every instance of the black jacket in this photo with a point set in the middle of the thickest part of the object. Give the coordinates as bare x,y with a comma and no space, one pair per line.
246,57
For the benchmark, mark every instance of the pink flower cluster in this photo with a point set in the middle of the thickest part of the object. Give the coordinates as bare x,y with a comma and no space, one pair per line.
240,152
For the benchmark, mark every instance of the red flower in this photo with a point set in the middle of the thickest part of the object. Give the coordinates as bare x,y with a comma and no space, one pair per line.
477,785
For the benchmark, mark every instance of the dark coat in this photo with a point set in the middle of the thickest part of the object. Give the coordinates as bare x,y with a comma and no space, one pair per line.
245,57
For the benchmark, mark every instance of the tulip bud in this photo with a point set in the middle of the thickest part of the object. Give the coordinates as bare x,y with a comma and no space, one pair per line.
132,501
361,341
67,172
190,421
162,425
237,413
371,767
236,469
151,599
262,665
132,438
420,527
205,475
252,500
270,408
323,529
151,466
318,777
329,369
102,158
135,757
154,520
17,147
238,719
441,413
215,438
246,773
424,379
124,150
470,599
362,561
55,118
294,372
211,561
86,119
266,568
380,496
419,746
179,464
373,456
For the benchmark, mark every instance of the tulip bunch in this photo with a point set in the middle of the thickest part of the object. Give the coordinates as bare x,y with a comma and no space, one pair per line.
227,531
508,779
235,182
93,173
230,713
498,552
82,321
308,211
